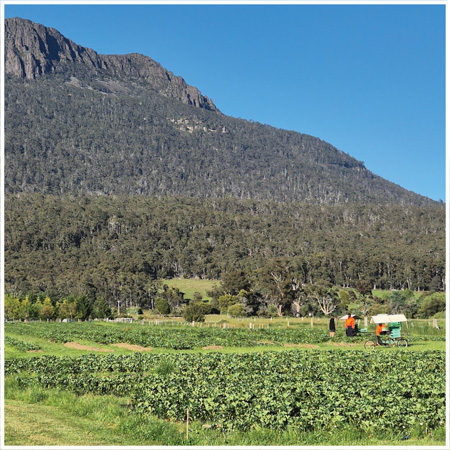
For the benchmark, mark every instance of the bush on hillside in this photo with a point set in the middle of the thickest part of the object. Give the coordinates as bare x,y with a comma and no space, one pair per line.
194,312
162,306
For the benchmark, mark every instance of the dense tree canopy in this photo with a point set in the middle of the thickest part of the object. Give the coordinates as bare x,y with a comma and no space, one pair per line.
82,136
116,247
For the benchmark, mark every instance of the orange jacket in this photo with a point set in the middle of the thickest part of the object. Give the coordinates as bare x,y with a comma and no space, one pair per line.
350,322
379,329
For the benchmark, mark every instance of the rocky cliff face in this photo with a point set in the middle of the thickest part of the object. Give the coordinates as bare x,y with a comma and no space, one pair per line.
33,50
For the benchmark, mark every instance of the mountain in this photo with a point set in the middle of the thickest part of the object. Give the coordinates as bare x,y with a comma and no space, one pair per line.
32,50
82,123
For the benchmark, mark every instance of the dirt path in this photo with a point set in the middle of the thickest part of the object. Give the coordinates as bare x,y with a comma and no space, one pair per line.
77,346
135,348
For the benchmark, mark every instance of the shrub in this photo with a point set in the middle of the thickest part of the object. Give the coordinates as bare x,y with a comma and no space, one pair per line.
162,306
194,313
431,305
237,310
271,311
225,301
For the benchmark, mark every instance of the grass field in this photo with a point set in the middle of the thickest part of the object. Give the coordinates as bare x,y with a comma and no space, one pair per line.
36,415
191,285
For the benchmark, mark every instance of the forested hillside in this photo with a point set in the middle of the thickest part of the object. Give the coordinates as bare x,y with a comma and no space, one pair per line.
118,173
113,247
82,123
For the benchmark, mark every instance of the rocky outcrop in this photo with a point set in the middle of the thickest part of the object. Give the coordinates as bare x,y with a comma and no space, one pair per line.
33,50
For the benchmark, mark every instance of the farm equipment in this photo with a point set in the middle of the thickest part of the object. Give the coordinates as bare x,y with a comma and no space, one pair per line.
393,333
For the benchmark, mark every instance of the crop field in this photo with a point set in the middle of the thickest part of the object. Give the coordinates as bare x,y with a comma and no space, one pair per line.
186,385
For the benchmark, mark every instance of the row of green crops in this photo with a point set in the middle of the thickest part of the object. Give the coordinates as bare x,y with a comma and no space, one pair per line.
180,337
21,345
183,337
309,390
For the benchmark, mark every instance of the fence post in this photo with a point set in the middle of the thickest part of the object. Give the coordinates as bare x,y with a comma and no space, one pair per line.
187,424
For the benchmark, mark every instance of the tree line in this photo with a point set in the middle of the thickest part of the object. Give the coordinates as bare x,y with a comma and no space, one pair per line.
116,248
237,296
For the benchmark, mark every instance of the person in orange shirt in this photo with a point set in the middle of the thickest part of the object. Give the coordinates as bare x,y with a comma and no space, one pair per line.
349,325
380,330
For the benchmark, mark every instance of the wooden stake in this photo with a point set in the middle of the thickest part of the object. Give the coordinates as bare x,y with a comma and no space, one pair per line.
187,424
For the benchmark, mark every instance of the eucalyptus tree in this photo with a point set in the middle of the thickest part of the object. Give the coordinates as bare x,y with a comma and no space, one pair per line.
324,295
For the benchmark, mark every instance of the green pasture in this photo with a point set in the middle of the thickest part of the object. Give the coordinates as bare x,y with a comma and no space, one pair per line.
191,285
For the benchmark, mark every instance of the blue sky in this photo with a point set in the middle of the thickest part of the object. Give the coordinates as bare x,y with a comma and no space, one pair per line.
369,79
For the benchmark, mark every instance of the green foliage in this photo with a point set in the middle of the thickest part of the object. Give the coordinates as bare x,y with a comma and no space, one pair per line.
262,390
234,281
103,311
12,307
164,337
162,306
165,367
237,310
48,310
269,311
20,345
194,312
432,304
84,308
121,244
226,301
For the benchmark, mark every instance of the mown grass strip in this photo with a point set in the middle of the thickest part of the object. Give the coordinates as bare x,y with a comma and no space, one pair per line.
36,424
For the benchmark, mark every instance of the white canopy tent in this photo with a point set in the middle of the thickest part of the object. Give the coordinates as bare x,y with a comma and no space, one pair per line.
388,318
355,316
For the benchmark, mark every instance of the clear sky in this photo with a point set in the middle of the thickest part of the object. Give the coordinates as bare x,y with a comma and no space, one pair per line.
368,79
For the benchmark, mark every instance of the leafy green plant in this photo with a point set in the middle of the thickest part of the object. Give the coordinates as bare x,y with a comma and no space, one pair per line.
306,390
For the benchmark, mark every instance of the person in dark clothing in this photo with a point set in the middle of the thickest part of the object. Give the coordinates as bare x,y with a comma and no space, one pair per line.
332,326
